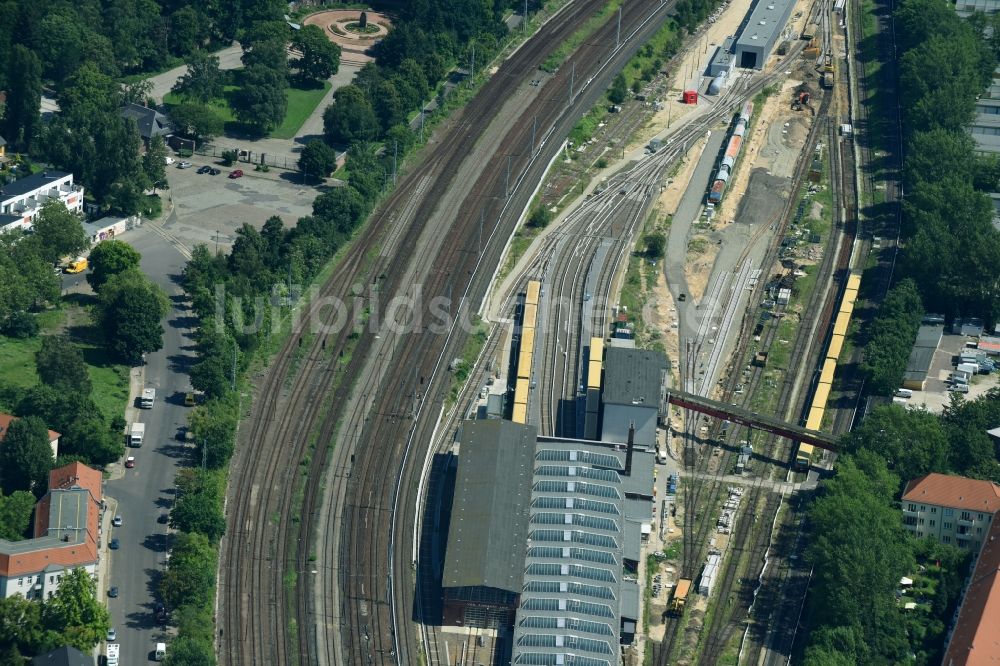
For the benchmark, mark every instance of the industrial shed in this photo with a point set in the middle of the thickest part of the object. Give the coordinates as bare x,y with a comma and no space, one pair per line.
921,356
634,390
761,31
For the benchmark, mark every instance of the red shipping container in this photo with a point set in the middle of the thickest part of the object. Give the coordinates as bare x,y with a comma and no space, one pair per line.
690,96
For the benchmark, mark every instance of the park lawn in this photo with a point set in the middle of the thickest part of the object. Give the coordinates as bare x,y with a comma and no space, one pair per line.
301,104
220,105
17,366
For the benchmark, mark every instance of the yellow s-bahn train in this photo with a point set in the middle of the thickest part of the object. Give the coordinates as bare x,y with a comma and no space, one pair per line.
817,409
529,320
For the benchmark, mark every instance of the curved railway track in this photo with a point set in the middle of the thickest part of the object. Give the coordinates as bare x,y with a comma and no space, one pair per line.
262,542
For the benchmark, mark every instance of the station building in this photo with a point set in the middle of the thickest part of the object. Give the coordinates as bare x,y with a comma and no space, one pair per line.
760,31
544,539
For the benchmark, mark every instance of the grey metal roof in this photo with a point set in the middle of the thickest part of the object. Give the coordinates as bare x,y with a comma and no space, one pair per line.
571,601
634,377
64,656
929,336
150,121
616,420
919,364
30,183
630,600
633,541
489,518
766,21
67,523
638,510
640,481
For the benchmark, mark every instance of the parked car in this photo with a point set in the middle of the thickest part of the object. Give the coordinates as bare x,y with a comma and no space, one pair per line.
163,518
112,634
236,173
184,165
205,169
113,591
117,521
169,160
130,462
114,544
189,399
214,171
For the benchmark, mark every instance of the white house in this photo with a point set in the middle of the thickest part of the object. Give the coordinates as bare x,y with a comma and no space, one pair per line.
21,200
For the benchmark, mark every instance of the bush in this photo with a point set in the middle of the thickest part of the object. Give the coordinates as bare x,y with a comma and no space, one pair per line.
185,152
229,157
601,163
540,218
21,325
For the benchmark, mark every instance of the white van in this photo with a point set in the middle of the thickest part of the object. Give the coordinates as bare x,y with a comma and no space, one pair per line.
137,433
161,651
112,654
904,393
148,398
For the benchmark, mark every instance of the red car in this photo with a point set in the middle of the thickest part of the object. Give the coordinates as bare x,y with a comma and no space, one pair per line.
130,462
237,173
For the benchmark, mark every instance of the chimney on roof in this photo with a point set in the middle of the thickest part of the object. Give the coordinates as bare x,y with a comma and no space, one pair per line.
628,449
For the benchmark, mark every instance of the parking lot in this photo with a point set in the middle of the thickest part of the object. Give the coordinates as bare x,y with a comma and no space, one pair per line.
935,396
205,208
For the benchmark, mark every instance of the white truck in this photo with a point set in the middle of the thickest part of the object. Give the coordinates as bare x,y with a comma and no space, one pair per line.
112,654
161,652
148,398
136,434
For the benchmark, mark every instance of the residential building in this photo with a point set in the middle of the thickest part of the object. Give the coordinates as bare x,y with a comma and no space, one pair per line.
64,656
3,149
7,419
150,121
950,509
67,535
972,640
545,539
21,200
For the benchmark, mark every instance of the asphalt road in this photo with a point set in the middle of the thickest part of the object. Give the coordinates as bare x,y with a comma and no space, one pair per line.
147,490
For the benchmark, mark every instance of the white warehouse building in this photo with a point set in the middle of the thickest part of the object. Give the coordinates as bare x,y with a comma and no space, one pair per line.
760,31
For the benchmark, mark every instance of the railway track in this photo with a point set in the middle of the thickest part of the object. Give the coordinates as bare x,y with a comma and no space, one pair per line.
380,495
260,542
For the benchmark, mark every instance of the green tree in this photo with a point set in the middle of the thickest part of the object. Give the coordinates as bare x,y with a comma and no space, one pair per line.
196,121
198,507
26,457
75,612
58,232
540,217
320,57
186,651
890,337
21,627
618,90
212,374
91,439
16,511
912,442
87,96
261,103
129,312
154,162
655,244
137,92
203,80
24,95
318,160
190,578
350,118
60,364
189,28
214,428
109,258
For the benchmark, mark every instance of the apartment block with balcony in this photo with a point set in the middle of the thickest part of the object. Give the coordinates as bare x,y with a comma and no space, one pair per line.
950,509
66,537
22,199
